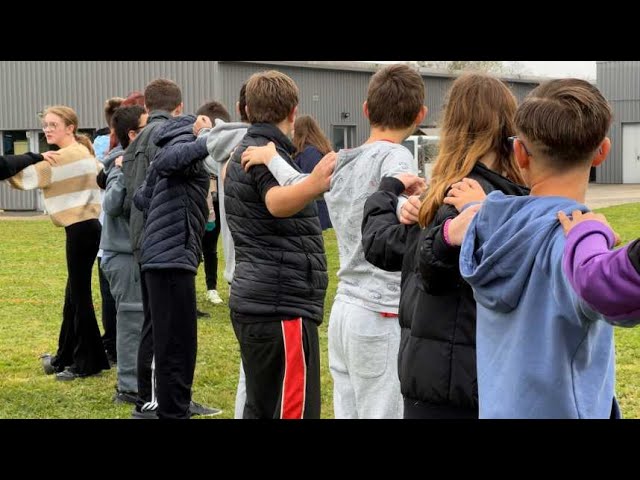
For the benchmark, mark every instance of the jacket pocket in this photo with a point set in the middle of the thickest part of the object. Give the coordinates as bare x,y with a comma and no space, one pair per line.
368,354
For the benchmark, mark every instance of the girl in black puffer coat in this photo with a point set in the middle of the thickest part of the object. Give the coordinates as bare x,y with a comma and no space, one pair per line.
437,360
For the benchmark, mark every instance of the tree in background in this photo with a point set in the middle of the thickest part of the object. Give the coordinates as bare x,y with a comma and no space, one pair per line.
491,66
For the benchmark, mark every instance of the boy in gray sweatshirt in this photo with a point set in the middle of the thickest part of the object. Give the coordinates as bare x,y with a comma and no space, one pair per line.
364,332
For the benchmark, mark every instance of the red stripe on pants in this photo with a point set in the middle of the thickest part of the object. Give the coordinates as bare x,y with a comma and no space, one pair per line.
295,370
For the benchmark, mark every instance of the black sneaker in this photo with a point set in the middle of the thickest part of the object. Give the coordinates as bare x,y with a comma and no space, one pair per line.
70,373
149,411
67,375
201,314
200,410
125,397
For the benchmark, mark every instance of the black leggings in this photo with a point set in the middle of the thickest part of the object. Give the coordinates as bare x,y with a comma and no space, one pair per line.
210,251
79,344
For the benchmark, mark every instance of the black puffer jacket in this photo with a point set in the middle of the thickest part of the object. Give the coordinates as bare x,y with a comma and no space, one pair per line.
173,198
281,268
437,357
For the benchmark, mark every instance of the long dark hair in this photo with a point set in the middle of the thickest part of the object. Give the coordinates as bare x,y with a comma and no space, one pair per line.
306,131
478,119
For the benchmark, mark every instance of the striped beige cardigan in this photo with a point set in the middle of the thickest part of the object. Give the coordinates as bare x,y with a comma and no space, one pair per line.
71,194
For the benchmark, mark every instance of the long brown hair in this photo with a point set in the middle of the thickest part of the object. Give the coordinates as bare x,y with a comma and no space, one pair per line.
306,131
478,119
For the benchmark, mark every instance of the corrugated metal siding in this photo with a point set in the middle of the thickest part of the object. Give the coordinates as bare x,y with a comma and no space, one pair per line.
324,94
623,112
520,90
12,199
619,82
28,86
339,91
435,92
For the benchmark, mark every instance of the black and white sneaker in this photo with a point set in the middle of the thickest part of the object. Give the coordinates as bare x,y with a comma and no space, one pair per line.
149,411
197,409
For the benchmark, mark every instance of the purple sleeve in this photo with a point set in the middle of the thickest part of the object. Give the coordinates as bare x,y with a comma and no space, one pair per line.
605,279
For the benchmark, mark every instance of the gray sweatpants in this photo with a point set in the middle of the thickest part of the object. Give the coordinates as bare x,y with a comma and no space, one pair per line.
241,394
363,360
123,276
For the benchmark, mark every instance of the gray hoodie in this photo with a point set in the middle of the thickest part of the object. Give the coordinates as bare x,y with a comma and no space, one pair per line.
221,141
115,229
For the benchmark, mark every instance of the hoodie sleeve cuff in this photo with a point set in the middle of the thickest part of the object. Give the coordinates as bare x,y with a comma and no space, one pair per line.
204,131
588,228
391,184
442,250
35,157
202,144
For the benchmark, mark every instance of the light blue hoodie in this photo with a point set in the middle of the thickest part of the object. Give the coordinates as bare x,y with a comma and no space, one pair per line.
541,351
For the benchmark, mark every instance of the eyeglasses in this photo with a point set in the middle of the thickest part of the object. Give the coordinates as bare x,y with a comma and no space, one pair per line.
511,143
139,128
50,126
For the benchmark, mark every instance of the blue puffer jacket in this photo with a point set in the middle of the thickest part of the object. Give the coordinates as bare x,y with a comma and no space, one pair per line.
173,198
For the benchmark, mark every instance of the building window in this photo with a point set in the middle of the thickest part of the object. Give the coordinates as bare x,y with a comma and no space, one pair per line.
343,136
15,142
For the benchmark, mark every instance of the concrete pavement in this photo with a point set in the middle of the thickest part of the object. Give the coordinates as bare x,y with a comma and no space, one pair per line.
598,196
605,195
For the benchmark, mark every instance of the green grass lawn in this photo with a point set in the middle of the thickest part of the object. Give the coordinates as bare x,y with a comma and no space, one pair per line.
625,219
32,279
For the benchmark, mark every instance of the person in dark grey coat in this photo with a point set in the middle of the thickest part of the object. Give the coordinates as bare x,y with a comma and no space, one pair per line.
163,99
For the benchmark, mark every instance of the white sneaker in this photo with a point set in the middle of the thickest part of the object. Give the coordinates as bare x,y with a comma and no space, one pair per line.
213,297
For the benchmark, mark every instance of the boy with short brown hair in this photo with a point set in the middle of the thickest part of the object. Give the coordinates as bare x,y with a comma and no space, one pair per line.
541,351
280,279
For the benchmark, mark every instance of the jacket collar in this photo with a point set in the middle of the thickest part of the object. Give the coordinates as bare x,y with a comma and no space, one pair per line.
274,134
156,115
